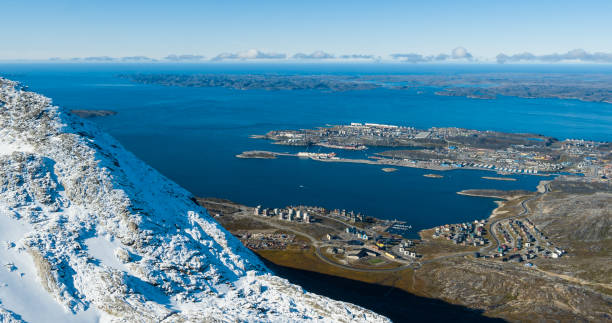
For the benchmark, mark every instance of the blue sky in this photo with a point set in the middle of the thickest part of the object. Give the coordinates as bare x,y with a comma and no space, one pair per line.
39,29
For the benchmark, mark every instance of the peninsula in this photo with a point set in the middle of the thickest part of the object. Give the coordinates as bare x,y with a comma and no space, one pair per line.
453,148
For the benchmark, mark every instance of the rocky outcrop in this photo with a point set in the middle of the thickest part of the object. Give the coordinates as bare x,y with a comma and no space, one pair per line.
513,291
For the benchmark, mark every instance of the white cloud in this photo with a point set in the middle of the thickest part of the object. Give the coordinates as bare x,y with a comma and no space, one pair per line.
314,55
461,53
577,55
137,59
411,58
248,55
457,54
184,58
360,56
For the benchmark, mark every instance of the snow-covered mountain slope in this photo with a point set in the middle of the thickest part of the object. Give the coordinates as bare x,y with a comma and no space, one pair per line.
88,232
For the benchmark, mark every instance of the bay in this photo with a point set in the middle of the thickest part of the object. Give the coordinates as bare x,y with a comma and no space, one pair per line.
192,135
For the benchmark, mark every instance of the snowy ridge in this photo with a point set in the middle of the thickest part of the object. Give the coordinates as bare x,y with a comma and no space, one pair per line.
90,233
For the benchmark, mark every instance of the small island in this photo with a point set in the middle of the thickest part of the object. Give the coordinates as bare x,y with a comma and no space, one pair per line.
389,169
257,154
93,113
433,176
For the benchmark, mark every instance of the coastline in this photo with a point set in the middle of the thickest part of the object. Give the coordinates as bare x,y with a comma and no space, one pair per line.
469,193
496,194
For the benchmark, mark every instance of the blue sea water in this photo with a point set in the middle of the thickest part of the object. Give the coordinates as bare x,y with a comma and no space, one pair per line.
193,134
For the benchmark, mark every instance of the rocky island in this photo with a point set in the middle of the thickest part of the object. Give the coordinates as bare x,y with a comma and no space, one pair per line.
389,169
93,113
257,154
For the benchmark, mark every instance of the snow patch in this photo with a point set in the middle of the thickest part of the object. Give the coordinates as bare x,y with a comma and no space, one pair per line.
104,249
9,148
20,289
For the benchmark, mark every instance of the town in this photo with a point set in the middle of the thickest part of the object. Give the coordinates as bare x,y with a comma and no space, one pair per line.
520,239
351,239
524,241
452,148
